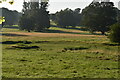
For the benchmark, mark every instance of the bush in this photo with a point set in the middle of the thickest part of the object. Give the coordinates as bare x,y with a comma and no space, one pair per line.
115,33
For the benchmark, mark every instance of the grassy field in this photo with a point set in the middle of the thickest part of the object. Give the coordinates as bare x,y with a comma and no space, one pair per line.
58,53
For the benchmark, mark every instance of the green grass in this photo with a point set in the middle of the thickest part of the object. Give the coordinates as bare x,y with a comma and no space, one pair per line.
59,56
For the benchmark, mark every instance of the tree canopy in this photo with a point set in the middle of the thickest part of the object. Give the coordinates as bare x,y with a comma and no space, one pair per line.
35,16
67,17
98,16
11,17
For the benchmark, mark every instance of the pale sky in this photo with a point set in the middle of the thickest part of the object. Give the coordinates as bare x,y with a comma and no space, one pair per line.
55,5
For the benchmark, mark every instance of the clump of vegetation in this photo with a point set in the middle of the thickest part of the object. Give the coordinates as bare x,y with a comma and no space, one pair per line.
115,33
73,48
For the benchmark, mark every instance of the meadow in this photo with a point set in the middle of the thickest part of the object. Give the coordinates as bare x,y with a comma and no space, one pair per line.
58,53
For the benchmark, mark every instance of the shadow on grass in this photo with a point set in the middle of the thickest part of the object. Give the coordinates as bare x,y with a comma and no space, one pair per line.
15,42
60,31
9,34
11,26
23,47
110,44
42,41
82,29
74,49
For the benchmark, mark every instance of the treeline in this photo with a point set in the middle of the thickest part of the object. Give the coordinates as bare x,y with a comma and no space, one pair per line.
11,17
98,16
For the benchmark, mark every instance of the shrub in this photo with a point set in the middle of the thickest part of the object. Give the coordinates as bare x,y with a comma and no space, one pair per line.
115,33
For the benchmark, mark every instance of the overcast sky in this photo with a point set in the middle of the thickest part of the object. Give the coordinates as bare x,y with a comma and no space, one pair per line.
54,5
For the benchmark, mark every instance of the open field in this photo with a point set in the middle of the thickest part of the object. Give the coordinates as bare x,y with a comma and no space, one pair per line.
58,53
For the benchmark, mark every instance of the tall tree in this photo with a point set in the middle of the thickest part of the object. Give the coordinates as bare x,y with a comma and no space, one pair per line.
42,17
98,16
36,14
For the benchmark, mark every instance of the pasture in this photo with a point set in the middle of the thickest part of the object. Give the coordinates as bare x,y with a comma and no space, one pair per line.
58,53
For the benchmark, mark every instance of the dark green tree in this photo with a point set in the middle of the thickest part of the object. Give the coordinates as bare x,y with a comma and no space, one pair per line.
25,20
77,16
37,15
42,17
26,23
115,33
11,17
98,16
68,17
63,18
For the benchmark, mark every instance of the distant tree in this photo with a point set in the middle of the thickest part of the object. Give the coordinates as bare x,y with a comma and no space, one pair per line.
36,15
11,17
68,17
98,16
63,18
115,33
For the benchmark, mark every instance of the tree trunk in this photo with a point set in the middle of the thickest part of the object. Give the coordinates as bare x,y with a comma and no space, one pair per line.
102,32
28,30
